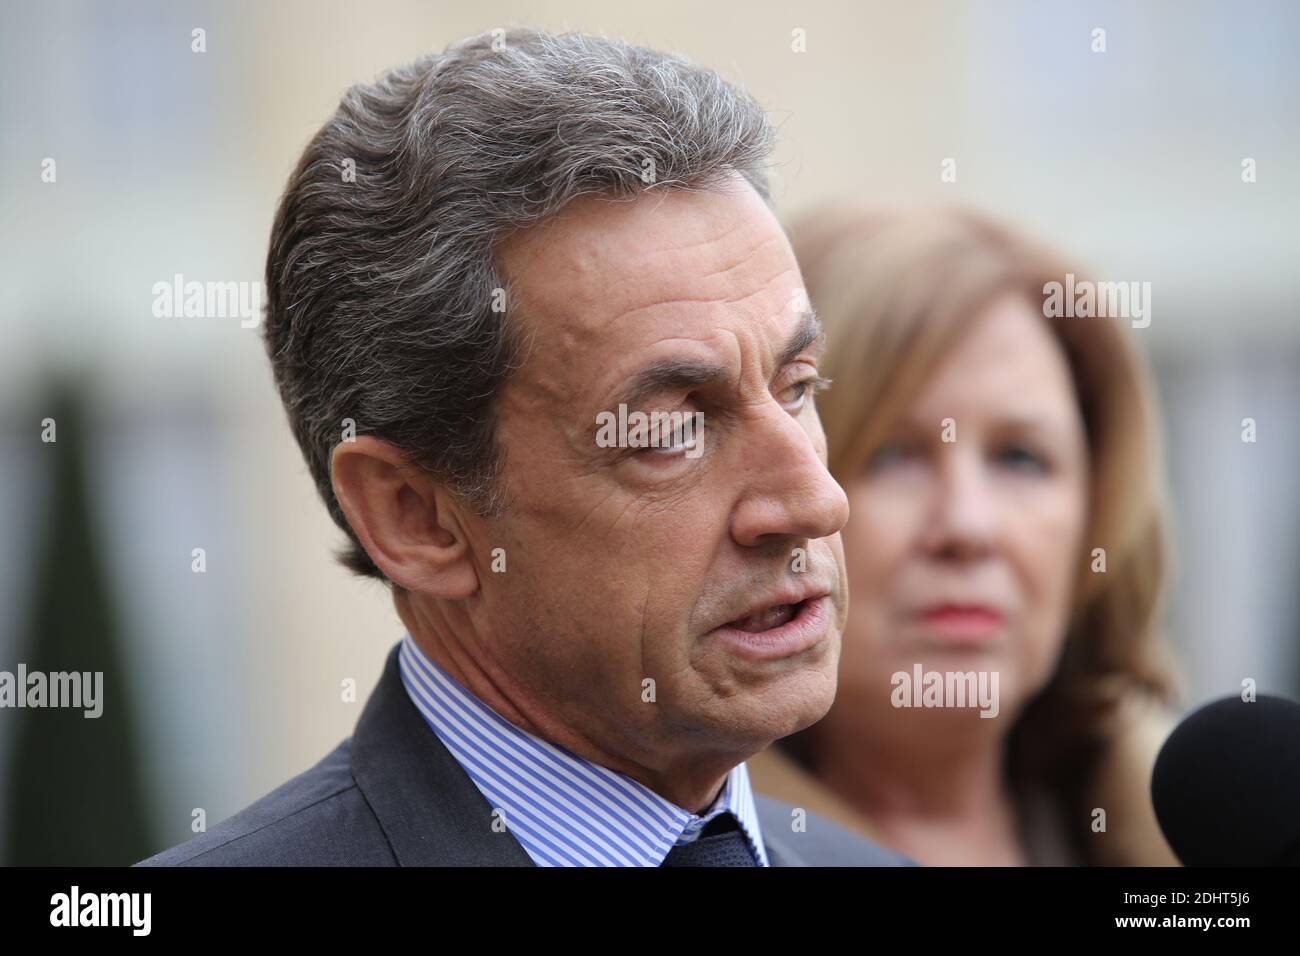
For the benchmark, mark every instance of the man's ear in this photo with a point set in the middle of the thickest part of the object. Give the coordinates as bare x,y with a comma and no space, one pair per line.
407,521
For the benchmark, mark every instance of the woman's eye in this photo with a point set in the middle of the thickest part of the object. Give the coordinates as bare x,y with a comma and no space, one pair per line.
890,453
1021,458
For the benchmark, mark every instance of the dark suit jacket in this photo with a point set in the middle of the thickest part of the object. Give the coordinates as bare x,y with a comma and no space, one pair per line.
393,795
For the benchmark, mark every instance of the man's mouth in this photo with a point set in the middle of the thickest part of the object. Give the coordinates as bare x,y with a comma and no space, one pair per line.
779,630
768,618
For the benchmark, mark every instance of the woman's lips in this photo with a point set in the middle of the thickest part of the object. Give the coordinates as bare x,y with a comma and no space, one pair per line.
963,623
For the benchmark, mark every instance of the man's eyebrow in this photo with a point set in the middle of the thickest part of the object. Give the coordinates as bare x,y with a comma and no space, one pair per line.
808,331
668,375
681,374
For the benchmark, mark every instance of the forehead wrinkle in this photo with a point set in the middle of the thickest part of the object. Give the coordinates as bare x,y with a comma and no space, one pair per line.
740,258
674,276
711,240
596,246
596,258
706,300
749,256
744,259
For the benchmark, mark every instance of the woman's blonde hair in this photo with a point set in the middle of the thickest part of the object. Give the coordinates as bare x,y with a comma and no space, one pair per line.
895,289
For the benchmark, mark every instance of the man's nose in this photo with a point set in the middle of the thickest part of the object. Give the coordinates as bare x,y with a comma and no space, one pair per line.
789,492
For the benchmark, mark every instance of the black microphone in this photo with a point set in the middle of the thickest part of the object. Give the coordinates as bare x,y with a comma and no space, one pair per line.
1226,785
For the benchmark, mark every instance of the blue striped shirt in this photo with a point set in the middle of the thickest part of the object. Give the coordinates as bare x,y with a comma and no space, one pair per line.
563,809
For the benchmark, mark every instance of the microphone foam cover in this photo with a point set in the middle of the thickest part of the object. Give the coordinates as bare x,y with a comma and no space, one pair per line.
1226,784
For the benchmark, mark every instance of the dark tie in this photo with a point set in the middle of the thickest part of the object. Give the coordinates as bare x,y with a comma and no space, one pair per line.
720,843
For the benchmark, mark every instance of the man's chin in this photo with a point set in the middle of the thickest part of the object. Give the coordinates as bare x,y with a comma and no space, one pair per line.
791,700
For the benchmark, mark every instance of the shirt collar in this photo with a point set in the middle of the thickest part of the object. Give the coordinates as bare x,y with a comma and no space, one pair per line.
563,809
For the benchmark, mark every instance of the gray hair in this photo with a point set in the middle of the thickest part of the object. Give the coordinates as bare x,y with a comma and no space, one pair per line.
381,285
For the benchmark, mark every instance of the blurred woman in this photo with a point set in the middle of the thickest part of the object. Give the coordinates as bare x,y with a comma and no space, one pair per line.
1007,522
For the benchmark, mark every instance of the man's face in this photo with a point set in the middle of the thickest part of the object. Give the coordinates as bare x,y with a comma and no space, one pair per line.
625,565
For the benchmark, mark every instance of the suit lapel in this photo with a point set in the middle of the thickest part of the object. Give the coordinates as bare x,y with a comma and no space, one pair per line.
774,824
431,811
779,852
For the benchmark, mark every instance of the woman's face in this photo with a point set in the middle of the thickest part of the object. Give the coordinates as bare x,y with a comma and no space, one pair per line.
962,554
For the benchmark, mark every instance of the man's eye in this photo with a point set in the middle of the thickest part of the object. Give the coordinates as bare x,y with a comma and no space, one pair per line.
675,442
685,438
794,395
